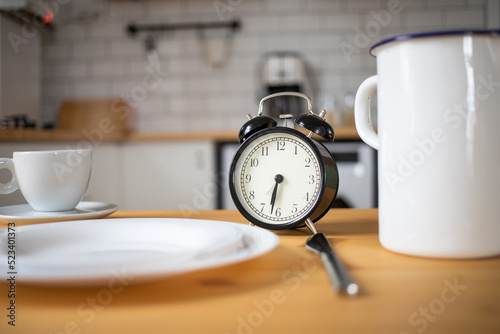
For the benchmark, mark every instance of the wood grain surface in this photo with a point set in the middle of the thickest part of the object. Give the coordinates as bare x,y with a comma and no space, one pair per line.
284,291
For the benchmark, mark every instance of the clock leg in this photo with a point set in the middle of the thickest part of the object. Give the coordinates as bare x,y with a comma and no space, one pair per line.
251,224
310,226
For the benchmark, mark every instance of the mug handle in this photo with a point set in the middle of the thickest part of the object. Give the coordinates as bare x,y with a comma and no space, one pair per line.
12,185
362,111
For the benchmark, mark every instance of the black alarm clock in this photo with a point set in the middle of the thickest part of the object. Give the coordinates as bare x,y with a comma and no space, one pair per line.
280,177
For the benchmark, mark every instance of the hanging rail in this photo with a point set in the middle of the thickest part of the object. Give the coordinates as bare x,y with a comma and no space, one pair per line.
133,28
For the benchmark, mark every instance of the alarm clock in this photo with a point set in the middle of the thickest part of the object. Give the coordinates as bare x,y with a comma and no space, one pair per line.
280,177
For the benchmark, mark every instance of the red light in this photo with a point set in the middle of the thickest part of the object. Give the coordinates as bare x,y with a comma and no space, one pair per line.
49,16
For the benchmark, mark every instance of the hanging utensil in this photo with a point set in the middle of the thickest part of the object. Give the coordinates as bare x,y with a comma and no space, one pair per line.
152,53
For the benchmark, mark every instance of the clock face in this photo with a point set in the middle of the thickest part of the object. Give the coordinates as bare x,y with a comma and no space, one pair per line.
277,178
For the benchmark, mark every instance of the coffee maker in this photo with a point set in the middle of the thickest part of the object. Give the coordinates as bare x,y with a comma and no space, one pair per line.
284,71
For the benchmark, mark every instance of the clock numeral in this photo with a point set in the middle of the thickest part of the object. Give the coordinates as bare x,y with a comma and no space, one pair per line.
278,212
308,162
263,206
248,178
311,179
306,197
294,208
280,146
254,162
265,151
295,152
251,194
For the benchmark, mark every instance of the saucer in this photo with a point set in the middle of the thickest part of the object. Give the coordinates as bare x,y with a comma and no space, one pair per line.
24,214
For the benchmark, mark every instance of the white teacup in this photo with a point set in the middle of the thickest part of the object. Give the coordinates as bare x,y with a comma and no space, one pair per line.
49,180
437,140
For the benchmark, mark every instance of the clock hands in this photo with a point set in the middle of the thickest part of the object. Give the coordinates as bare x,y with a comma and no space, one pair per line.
278,179
273,196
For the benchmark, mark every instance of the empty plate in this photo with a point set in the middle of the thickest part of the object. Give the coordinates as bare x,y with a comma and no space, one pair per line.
92,252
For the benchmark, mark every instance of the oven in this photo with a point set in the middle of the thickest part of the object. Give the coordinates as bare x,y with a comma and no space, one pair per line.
356,163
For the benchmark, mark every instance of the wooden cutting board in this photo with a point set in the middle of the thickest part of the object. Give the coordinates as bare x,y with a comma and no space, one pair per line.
108,116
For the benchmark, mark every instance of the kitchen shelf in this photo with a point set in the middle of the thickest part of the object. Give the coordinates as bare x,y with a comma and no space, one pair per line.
25,135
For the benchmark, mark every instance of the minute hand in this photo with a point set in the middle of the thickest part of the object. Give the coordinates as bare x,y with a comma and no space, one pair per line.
278,179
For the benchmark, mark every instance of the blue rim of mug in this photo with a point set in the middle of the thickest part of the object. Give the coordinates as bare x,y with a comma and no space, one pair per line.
432,34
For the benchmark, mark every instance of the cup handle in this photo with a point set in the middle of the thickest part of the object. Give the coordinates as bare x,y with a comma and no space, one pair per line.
12,185
362,111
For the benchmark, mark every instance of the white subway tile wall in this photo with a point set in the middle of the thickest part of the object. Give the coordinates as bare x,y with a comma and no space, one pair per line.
89,54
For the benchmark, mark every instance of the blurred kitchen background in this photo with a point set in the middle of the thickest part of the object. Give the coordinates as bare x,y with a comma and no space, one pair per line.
88,53
202,66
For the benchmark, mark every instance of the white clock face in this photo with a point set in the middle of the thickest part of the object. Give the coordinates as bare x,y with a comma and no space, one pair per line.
278,178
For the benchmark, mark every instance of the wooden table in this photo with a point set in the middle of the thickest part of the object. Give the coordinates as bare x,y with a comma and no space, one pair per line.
284,291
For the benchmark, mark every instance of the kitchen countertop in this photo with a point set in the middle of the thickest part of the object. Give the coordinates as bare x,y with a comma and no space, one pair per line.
284,291
26,135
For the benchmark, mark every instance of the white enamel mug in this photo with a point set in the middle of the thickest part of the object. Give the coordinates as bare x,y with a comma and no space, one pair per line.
49,180
438,98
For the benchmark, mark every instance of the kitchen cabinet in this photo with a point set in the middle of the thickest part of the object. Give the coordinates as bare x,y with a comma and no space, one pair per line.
106,178
105,183
148,175
169,175
172,171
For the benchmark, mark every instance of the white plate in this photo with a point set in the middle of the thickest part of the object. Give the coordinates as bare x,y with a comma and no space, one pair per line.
98,252
24,214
